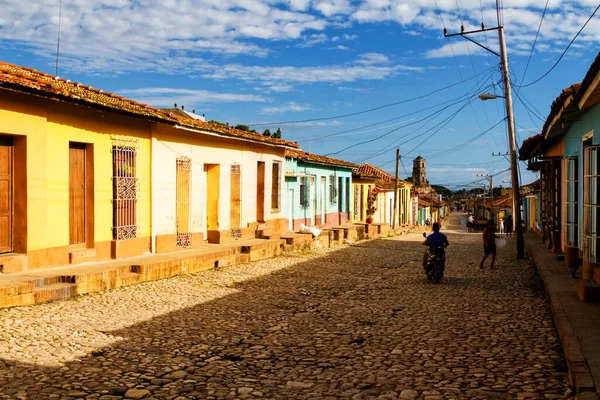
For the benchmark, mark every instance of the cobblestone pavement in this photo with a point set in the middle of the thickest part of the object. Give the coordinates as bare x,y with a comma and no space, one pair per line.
360,322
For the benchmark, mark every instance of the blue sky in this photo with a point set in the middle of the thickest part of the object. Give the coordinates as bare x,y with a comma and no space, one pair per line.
323,63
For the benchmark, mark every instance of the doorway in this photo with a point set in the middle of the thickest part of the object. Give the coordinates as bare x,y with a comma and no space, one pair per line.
323,199
260,192
6,195
213,181
77,191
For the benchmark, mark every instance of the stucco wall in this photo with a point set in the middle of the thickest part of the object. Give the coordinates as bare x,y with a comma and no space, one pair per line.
49,127
168,143
322,206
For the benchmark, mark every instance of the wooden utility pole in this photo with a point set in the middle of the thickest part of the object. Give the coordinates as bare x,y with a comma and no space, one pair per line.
396,190
513,148
511,122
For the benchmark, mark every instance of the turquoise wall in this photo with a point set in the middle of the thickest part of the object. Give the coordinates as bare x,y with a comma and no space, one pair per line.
300,168
590,121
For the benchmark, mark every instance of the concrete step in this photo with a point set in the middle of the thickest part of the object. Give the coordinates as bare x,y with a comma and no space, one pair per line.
54,291
588,291
81,255
130,278
264,233
12,262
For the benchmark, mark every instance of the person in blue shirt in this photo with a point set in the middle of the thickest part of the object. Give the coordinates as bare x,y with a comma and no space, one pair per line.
436,239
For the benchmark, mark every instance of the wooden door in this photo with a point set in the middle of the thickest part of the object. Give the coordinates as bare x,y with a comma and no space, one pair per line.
6,152
260,192
76,193
235,215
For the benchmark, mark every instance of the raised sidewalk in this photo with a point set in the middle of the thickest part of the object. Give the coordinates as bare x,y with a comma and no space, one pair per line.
578,323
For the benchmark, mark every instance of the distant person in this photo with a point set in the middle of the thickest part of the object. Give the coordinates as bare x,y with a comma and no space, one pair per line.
501,225
489,244
508,228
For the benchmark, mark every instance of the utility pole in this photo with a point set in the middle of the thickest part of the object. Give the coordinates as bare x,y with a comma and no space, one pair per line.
513,147
491,179
396,190
511,123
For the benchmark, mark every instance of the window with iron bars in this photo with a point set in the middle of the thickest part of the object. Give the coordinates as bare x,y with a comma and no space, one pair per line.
183,184
572,217
332,190
591,204
304,191
126,188
357,201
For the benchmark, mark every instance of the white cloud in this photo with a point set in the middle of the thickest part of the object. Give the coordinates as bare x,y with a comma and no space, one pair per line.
373,59
166,97
291,106
306,75
167,36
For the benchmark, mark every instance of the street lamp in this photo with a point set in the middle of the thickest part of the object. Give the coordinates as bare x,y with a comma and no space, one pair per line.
489,96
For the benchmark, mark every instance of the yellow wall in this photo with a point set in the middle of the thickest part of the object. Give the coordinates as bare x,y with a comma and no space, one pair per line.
49,127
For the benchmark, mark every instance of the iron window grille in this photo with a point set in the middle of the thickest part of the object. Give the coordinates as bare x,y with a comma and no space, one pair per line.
332,191
183,186
591,214
126,188
357,201
304,191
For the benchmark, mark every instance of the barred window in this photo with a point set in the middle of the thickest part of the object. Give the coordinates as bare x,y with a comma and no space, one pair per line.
183,184
572,173
591,212
332,191
304,189
126,188
357,202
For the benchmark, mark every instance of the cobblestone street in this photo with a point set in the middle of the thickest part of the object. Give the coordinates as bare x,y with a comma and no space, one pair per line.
360,322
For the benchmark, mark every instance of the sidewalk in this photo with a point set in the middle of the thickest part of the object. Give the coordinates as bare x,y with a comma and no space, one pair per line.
578,323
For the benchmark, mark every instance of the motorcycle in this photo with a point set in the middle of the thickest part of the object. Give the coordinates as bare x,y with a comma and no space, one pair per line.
435,263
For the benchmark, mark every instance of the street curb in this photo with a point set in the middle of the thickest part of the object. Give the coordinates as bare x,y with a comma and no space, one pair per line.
578,369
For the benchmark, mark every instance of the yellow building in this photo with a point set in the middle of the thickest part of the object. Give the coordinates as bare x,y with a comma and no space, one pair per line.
76,172
370,182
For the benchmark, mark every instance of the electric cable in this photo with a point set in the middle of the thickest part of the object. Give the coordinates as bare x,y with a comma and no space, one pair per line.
371,109
563,53
535,41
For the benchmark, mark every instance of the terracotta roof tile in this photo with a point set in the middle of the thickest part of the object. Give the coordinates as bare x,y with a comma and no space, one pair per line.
28,80
590,76
558,104
315,158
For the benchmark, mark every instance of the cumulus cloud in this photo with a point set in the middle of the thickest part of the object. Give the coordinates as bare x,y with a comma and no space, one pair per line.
290,106
166,97
166,36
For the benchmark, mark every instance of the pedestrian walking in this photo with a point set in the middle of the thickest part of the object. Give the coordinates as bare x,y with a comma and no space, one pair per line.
508,228
489,244
501,225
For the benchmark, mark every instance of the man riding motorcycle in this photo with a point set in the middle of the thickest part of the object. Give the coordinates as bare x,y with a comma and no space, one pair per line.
437,242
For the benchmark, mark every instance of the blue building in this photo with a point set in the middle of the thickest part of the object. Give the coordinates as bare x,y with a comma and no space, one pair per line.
567,154
317,190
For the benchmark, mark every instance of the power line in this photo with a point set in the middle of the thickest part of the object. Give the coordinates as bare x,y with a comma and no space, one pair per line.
535,41
378,123
457,147
371,109
475,90
563,53
437,128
